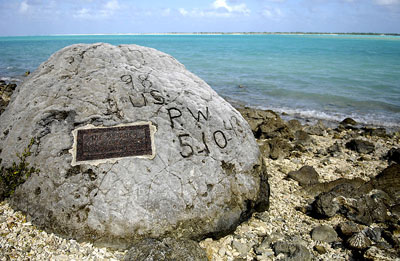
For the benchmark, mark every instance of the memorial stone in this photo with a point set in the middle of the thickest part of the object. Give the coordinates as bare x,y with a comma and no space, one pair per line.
129,144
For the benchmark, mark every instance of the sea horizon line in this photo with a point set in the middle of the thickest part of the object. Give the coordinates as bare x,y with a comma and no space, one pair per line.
214,33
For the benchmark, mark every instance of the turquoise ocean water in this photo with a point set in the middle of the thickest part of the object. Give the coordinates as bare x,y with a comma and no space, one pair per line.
326,77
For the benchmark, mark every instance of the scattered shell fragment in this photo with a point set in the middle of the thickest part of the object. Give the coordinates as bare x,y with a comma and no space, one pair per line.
359,241
20,240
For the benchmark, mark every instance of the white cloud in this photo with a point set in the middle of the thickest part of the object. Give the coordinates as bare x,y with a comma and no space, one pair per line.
387,2
183,11
84,12
107,10
166,12
272,13
222,4
219,8
112,5
24,7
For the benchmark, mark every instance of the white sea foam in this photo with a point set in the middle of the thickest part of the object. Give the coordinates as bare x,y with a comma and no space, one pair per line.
332,119
10,79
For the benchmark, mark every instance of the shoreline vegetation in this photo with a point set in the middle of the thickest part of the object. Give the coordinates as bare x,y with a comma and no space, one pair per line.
227,33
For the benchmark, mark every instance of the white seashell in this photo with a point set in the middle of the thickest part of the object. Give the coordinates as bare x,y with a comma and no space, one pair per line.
359,241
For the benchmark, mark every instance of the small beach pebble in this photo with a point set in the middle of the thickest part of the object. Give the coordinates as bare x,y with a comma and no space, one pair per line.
320,249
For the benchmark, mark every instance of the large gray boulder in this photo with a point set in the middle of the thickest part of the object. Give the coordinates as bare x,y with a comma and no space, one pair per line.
202,172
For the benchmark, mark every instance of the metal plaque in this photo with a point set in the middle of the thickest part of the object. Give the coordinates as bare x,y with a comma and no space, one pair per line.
114,142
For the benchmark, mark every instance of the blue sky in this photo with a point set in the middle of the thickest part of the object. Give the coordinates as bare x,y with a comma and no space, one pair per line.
43,17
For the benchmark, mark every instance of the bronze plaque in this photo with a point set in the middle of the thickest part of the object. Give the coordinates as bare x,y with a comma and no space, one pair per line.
114,142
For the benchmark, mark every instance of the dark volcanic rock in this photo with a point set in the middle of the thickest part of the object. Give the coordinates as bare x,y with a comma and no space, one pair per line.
306,175
388,181
168,249
266,124
292,251
6,90
347,124
271,128
255,118
294,125
275,127
3,105
361,146
315,189
275,148
395,209
324,205
366,210
3,190
324,234
348,121
363,203
348,228
335,149
318,129
300,253
377,254
380,132
375,234
393,155
302,137
346,189
280,148
391,239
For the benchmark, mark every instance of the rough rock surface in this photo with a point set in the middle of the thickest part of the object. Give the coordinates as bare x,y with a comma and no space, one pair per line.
275,148
306,175
393,155
361,146
266,124
206,174
316,129
371,131
324,233
6,89
365,202
348,121
292,251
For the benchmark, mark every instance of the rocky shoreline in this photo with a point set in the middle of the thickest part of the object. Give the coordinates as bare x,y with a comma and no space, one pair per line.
327,200
6,90
335,195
